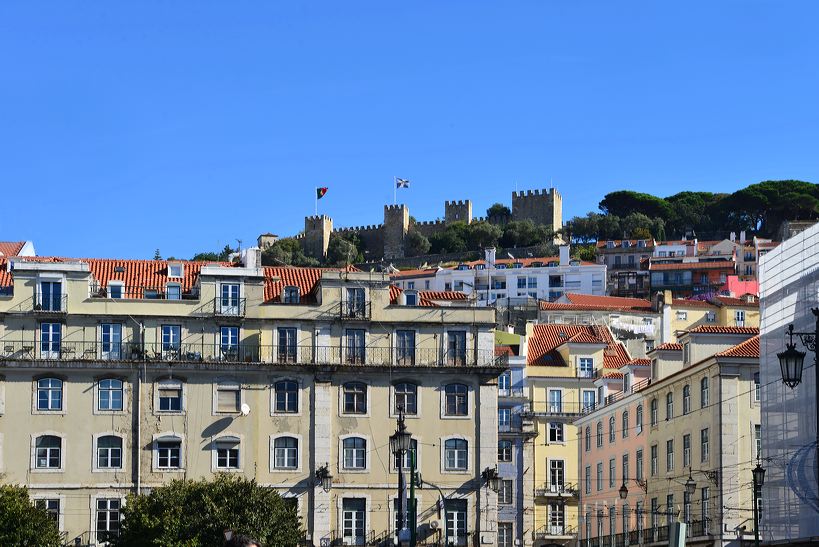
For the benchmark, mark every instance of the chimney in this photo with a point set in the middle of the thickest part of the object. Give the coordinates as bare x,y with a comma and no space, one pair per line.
564,255
742,237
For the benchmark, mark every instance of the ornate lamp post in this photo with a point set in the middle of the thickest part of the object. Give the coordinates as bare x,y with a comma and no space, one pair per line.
491,478
323,478
759,479
400,444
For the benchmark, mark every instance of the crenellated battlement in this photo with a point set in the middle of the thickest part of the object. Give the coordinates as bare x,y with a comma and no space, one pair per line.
397,207
368,228
460,202
436,222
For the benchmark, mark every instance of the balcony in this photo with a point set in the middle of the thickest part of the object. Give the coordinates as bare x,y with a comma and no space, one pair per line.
229,307
50,304
79,350
556,490
555,531
355,310
512,393
168,292
560,410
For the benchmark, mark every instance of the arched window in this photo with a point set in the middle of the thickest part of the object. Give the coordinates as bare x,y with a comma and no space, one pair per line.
599,434
355,453
48,452
654,412
455,454
456,400
287,396
686,399
285,453
109,452
625,423
109,394
669,406
406,398
639,419
227,452
611,429
355,398
49,394
588,438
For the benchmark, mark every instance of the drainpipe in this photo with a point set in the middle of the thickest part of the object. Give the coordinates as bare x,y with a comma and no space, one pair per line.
720,476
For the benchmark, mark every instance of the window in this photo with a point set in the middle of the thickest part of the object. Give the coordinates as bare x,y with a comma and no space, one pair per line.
48,449
686,507
504,451
49,394
406,398
356,346
669,455
405,347
174,270
170,396
173,291
686,399
410,298
355,398
557,518
585,367
588,438
109,452
505,536
704,445
669,406
705,494
353,516
51,506
599,434
505,492
704,392
612,521
290,295
682,316
456,400
756,387
107,518
169,453
456,347
171,336
669,508
50,338
654,460
286,453
229,345
287,348
504,418
410,284
406,461
356,302
655,506
355,453
639,465
110,341
115,290
588,479
612,435
456,521
555,401
227,453
739,318
589,398
521,282
654,412
228,396
599,475
286,396
557,475
505,382
625,467
758,441
626,382
229,303
710,317
686,353
531,283
455,455
555,432
50,297
639,424
686,450
109,394
612,467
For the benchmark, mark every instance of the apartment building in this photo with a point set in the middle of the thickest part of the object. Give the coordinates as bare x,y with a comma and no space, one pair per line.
675,441
117,376
563,363
624,260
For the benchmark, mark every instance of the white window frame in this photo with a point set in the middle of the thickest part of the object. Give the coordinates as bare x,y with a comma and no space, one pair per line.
53,496
418,398
99,411
227,383
121,285
470,449
181,383
227,437
367,398
36,391
121,496
300,394
173,285
95,468
168,436
33,462
367,451
470,398
299,453
179,265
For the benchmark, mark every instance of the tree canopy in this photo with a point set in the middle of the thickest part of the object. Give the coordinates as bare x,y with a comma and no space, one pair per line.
196,513
22,522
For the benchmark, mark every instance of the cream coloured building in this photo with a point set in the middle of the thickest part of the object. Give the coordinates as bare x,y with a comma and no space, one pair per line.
117,376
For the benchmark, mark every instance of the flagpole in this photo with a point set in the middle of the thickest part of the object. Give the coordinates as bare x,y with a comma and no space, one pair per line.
315,197
394,190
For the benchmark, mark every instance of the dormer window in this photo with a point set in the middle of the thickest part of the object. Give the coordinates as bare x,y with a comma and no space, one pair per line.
175,270
173,291
291,295
480,266
501,266
517,265
609,245
115,289
626,244
410,298
462,267
641,243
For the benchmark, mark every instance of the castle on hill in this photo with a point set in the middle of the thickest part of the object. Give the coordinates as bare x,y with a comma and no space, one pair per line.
386,240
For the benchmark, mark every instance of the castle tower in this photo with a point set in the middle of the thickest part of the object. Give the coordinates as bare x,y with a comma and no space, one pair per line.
317,230
455,211
540,206
396,226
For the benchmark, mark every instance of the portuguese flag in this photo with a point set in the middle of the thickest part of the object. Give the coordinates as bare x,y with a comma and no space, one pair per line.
320,192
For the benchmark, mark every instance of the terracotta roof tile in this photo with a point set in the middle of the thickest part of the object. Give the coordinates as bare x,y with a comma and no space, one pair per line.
669,346
733,301
428,272
614,375
618,244
749,348
685,303
639,362
717,329
442,295
526,262
716,265
11,248
602,303
5,275
547,337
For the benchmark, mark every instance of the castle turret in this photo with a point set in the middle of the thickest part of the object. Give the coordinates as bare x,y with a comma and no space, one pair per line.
317,230
396,226
458,211
540,206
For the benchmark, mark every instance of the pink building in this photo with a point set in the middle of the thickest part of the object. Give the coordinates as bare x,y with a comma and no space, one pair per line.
613,453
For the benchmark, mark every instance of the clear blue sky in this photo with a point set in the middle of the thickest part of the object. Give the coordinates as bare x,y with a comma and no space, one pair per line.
127,126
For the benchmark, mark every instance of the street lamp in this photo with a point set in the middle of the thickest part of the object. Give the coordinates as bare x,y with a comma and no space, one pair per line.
491,478
323,478
400,444
759,479
623,491
690,485
401,440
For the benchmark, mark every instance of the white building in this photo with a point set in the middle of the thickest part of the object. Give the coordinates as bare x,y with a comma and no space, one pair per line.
789,287
538,278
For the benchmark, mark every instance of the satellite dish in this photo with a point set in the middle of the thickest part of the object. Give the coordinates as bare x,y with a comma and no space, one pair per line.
245,409
434,524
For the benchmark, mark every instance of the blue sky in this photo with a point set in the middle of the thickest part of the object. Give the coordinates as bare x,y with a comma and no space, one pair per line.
127,126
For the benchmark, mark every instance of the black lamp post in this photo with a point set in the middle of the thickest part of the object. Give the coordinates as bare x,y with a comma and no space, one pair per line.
491,478
323,478
400,444
759,479
690,485
623,491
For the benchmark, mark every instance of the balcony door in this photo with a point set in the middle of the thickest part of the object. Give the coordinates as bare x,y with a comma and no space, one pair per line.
51,293
50,338
229,304
354,520
111,341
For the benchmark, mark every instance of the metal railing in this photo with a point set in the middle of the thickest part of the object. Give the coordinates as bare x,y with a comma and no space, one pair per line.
562,409
229,307
554,530
126,292
240,353
515,392
50,303
353,309
548,489
699,528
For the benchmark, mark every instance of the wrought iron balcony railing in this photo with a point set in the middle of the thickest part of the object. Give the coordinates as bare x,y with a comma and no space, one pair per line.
554,531
548,489
229,307
166,292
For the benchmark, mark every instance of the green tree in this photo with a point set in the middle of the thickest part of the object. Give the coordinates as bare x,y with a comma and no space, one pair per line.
157,255
451,240
524,233
196,514
287,252
582,229
416,243
221,256
762,207
498,213
586,252
624,202
22,522
342,251
483,234
609,227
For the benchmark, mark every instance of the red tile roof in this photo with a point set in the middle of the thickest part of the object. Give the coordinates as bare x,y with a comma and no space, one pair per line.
603,303
749,348
11,248
547,337
526,262
428,272
683,303
717,329
505,350
442,295
618,244
639,362
290,276
733,301
614,375
716,265
669,346
5,275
